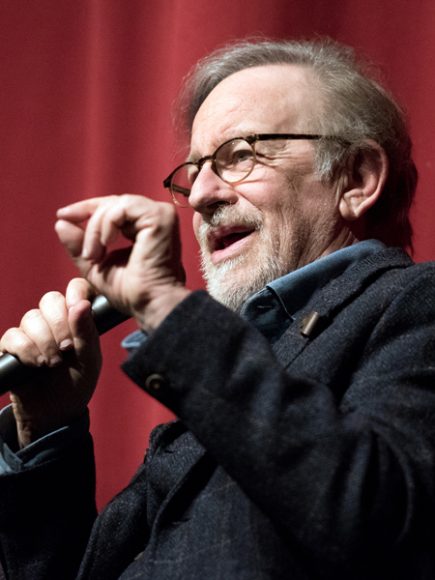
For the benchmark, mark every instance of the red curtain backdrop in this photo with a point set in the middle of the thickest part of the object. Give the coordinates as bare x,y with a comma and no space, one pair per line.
87,88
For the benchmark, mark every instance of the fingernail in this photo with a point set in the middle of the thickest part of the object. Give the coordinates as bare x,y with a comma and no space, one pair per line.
66,344
86,254
54,361
41,360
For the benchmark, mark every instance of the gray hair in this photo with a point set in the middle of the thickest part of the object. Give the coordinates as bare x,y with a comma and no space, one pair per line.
357,109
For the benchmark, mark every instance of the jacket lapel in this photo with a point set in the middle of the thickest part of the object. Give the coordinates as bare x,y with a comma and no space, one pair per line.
319,313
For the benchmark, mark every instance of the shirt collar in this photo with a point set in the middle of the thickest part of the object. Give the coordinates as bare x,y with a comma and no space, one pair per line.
273,308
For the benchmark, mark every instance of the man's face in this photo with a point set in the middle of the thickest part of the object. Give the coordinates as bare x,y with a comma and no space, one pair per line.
281,216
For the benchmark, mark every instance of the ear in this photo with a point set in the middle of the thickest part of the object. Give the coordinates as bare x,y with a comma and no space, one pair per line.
364,181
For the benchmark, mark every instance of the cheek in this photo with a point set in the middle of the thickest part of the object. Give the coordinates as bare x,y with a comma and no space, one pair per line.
196,223
266,200
290,217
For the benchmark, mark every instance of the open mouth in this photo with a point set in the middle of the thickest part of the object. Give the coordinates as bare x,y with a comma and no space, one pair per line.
230,239
226,241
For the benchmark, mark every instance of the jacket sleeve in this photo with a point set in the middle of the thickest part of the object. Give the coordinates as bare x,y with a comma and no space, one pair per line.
46,514
342,476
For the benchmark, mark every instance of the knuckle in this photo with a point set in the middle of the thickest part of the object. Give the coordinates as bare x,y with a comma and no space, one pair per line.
128,202
50,297
77,280
80,285
110,201
14,340
169,208
128,197
168,212
31,315
8,335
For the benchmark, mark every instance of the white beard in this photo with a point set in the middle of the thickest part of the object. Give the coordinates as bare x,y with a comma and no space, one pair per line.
222,280
232,293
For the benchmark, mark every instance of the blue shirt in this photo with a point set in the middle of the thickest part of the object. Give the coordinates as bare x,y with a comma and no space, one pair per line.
271,310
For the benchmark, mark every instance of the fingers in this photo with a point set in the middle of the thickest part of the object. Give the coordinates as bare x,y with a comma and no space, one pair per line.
112,216
70,219
71,236
77,290
53,313
106,218
129,277
86,341
45,332
16,342
81,210
86,242
71,229
100,231
33,342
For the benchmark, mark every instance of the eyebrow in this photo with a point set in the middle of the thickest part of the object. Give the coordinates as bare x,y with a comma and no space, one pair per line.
195,157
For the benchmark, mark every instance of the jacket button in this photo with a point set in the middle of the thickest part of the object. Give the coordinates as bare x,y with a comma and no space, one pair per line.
154,382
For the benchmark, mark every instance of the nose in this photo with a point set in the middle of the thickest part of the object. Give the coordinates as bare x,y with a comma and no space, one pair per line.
209,191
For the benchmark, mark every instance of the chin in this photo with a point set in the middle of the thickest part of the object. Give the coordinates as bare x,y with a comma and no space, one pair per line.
232,282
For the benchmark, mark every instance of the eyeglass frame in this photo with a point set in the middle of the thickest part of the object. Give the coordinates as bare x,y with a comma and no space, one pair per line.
250,139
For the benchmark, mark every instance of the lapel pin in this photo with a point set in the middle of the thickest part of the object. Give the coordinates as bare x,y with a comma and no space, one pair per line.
309,323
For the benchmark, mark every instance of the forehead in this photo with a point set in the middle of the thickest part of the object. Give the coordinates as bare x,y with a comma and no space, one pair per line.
272,98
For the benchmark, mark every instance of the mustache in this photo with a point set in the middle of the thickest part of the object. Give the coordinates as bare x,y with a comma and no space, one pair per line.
228,216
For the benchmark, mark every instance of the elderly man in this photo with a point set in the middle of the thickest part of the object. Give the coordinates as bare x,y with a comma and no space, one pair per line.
304,380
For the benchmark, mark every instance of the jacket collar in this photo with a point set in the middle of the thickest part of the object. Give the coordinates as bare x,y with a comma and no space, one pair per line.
328,300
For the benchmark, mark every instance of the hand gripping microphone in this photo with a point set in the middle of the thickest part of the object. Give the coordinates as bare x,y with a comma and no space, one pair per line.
13,372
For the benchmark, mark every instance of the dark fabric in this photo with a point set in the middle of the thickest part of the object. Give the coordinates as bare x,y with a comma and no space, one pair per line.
46,516
314,460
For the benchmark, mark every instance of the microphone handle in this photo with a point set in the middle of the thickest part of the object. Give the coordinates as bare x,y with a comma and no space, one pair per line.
13,372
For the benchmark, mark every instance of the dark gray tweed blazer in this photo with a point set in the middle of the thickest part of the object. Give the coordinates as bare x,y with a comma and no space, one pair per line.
311,460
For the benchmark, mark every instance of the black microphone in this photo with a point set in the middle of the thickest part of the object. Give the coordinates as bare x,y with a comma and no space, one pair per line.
13,372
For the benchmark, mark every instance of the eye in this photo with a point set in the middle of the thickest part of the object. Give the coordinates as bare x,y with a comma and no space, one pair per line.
240,156
234,155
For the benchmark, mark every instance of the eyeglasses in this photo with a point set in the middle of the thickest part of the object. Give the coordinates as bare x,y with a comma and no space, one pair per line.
232,161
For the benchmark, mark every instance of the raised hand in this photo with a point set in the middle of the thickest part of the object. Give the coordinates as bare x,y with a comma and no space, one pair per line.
144,279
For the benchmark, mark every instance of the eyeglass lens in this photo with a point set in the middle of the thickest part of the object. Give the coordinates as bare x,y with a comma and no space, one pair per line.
232,161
